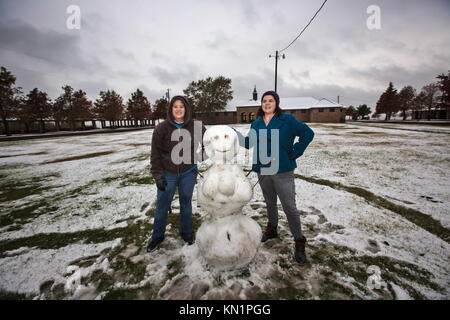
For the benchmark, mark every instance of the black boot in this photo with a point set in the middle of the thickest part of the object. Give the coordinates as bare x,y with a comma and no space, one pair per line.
189,240
269,233
153,244
299,253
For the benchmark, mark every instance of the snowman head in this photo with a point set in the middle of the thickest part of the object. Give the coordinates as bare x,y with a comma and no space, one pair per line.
221,143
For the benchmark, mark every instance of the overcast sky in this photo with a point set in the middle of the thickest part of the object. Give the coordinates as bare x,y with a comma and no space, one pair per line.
155,45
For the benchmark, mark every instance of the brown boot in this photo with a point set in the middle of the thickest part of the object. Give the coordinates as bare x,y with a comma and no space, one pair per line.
299,253
269,233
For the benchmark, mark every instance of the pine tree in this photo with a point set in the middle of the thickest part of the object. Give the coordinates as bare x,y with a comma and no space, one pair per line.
109,106
388,102
444,87
9,98
82,107
138,107
63,108
161,106
37,107
363,111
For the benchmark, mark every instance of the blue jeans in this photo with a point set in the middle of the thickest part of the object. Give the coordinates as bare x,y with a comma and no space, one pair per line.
185,184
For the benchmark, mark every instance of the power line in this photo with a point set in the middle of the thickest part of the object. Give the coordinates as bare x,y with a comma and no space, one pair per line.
305,27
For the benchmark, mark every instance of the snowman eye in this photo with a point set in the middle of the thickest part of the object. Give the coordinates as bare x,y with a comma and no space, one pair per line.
226,136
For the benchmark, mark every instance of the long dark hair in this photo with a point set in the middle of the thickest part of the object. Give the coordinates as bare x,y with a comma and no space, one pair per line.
278,111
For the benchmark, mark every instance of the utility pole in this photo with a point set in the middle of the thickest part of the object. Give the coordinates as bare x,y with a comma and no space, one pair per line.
168,95
276,56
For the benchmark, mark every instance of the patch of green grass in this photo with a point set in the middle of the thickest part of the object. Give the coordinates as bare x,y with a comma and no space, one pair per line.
17,192
14,166
52,291
25,214
144,293
47,205
395,268
342,155
13,228
420,219
85,156
346,261
138,158
132,233
13,189
333,290
84,262
136,180
124,269
24,154
285,290
6,295
145,205
368,132
148,144
284,262
133,272
174,267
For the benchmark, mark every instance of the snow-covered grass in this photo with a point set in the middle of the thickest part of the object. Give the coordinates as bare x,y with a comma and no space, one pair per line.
76,214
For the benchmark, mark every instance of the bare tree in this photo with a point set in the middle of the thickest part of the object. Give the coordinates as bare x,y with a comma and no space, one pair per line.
405,99
431,92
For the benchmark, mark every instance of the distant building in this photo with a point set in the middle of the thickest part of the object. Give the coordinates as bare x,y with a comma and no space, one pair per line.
438,113
305,109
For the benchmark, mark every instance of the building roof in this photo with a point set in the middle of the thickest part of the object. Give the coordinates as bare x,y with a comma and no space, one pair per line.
291,103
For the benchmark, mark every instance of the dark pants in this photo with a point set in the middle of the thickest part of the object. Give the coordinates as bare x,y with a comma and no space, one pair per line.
185,184
282,185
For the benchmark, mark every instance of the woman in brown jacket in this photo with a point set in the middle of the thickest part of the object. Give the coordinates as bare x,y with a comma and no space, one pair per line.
174,165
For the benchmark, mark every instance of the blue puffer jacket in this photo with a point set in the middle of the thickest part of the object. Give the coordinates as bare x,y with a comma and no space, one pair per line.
289,128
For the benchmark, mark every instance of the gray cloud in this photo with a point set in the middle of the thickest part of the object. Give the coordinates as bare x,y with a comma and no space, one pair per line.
61,51
51,46
169,77
399,76
161,45
250,12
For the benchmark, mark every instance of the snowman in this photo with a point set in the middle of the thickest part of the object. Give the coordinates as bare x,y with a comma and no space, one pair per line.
227,239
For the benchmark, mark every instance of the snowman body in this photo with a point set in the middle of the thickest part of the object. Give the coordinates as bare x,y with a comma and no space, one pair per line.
227,239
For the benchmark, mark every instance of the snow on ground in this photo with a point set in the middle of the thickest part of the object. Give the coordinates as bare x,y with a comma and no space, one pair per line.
76,213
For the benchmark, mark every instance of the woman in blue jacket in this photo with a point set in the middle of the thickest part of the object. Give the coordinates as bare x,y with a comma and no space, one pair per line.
275,155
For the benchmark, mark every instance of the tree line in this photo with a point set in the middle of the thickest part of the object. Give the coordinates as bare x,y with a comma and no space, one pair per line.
432,96
208,95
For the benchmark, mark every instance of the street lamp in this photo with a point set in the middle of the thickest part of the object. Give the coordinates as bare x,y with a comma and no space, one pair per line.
276,56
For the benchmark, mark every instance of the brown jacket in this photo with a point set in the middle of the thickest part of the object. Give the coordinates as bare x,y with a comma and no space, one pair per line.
162,144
